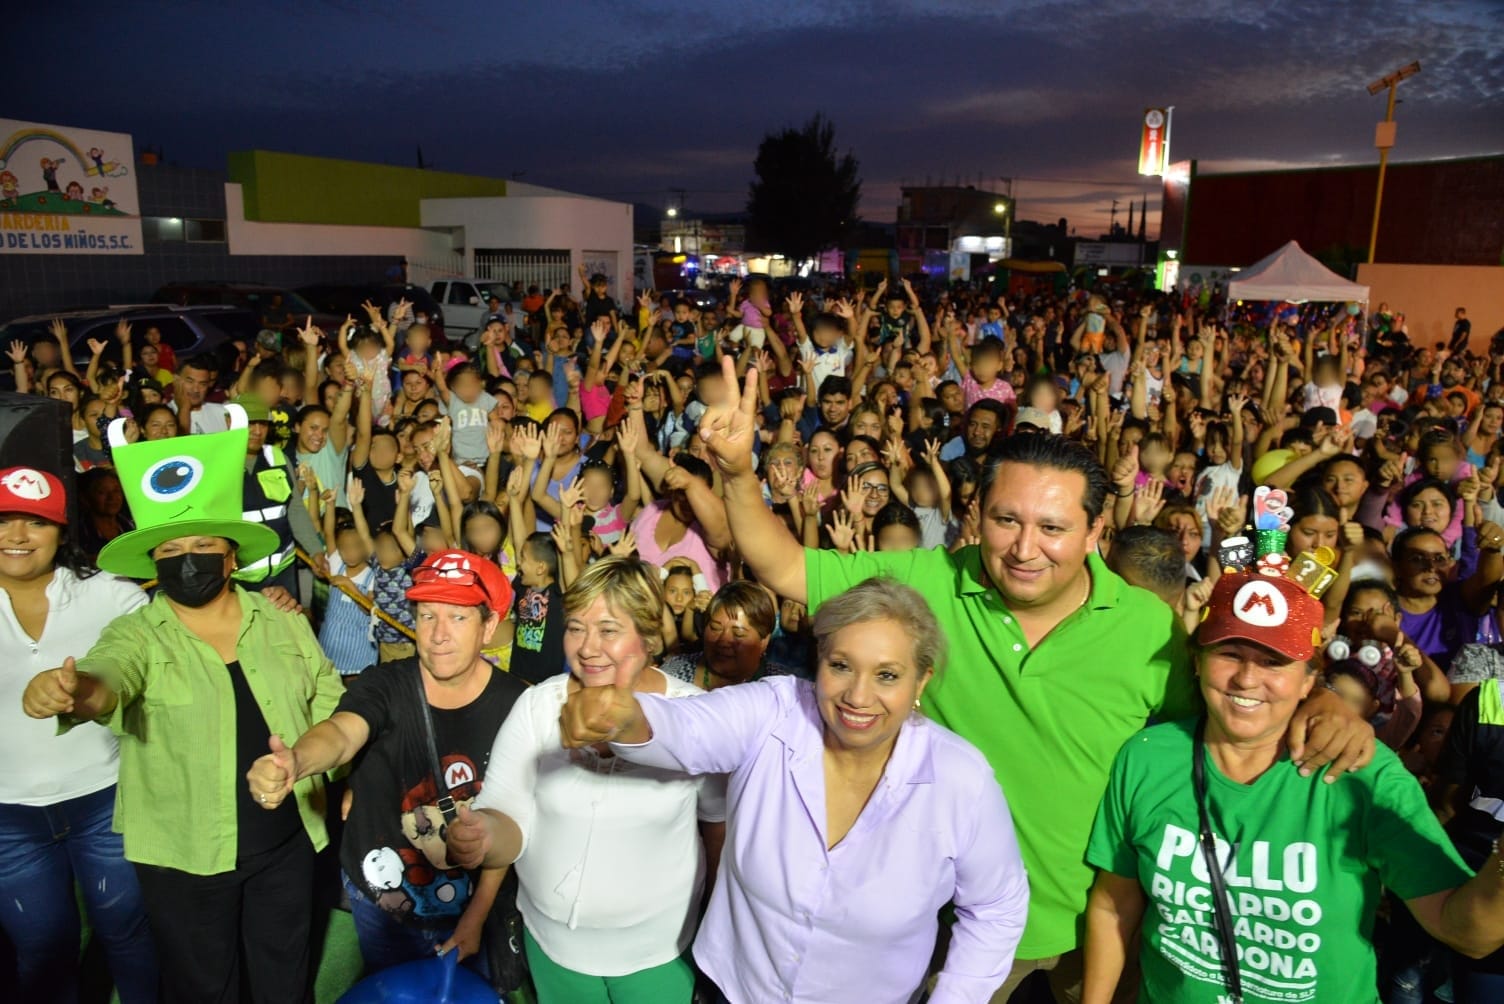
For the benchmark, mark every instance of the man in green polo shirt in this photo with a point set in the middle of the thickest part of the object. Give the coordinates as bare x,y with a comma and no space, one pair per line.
1054,660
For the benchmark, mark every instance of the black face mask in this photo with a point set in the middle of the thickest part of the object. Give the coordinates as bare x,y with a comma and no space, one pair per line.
192,579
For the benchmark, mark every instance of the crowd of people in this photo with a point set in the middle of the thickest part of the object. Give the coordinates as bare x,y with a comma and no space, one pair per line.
831,644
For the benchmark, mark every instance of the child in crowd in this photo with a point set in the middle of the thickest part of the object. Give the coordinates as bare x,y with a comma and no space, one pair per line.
396,556
346,634
462,396
368,351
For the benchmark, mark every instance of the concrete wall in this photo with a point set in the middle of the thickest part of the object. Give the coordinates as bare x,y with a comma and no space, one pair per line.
250,237
1429,294
567,223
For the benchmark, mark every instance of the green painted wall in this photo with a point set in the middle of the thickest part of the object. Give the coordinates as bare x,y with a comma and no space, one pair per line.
291,188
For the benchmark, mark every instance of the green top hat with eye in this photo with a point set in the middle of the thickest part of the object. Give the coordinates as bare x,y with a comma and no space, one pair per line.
183,487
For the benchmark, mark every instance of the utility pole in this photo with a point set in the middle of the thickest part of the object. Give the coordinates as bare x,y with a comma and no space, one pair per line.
1112,226
1384,140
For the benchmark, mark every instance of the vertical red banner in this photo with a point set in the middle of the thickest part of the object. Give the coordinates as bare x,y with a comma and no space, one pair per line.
1151,145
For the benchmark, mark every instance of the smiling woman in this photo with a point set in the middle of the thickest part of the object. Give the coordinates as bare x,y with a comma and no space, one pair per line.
828,778
610,864
59,783
1254,835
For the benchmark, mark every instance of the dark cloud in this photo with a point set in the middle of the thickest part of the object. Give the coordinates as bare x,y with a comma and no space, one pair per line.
631,99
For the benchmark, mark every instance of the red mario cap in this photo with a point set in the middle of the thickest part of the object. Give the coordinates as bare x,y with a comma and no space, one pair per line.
33,492
1268,610
461,578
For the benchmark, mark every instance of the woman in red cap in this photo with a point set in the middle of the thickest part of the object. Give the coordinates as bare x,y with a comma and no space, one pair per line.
406,897
1258,882
57,792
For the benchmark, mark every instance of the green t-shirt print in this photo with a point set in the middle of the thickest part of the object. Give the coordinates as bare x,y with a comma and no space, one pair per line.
1304,864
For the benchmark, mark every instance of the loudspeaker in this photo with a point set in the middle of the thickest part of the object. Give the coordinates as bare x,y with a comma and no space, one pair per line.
38,432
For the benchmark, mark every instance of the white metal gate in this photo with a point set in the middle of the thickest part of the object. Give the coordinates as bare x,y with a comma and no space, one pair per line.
522,268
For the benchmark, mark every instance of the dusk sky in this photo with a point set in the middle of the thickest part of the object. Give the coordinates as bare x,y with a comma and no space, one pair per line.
629,100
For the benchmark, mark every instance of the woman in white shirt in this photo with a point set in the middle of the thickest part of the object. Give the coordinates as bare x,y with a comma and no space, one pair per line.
610,860
57,792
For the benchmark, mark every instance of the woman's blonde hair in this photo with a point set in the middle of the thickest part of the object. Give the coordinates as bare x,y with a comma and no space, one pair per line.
630,586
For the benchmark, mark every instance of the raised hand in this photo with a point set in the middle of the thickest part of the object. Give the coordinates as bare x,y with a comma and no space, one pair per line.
854,497
308,334
728,429
496,436
794,303
1148,500
272,776
123,332
1125,470
517,485
372,311
51,692
17,352
97,346
529,441
572,495
1232,517
355,491
629,433
59,330
406,480
1197,594
842,531
626,545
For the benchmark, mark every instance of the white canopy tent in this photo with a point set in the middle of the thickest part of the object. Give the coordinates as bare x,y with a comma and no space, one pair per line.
1292,276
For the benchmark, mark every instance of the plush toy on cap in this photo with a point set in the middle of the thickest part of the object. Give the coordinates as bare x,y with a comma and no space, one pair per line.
463,579
1268,610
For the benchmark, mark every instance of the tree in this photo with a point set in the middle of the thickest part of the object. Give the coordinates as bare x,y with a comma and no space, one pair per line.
805,195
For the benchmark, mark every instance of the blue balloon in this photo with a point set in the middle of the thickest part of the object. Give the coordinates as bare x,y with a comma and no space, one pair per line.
439,980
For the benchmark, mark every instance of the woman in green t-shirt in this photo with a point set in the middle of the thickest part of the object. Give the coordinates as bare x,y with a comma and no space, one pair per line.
1300,863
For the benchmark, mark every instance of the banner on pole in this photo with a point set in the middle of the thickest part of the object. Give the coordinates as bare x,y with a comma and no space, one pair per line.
1153,141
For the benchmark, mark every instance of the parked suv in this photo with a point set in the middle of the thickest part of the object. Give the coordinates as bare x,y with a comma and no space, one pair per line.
466,301
342,299
247,296
189,330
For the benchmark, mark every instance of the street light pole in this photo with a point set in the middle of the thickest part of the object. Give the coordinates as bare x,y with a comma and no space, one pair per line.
1384,140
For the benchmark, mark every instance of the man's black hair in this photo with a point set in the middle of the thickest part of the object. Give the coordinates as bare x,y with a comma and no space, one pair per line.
1056,453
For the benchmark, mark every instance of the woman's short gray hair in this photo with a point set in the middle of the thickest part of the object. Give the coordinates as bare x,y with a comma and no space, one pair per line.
884,598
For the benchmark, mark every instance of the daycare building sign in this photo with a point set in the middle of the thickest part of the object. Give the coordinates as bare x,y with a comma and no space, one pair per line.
67,191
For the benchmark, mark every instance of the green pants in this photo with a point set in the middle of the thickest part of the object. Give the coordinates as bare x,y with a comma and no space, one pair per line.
671,983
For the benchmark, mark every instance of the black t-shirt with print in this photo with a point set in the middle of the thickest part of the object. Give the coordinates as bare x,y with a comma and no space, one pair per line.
393,845
538,645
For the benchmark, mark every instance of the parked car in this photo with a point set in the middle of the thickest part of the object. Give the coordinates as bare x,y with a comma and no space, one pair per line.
700,299
466,301
189,330
342,299
248,296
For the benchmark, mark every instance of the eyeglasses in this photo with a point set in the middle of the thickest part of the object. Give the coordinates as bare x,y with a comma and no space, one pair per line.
424,574
1424,559
875,489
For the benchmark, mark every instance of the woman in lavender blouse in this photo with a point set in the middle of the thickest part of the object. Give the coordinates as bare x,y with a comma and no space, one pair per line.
852,819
